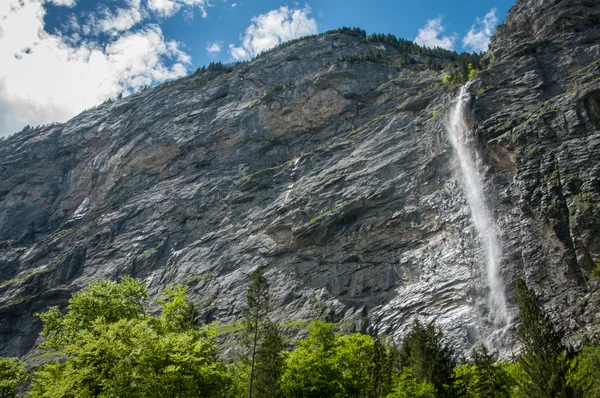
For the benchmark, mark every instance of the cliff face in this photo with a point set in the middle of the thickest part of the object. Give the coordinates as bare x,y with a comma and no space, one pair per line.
337,177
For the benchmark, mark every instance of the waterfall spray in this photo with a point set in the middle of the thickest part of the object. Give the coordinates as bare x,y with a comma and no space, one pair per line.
473,187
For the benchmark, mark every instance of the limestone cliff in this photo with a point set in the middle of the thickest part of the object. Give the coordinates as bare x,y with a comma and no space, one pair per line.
336,176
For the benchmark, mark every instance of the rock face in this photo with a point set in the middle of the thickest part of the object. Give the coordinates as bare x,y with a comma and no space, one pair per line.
336,177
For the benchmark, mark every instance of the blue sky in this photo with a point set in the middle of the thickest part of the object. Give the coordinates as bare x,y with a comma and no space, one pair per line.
62,56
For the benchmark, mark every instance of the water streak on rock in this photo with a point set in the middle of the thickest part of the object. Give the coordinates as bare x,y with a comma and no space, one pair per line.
457,128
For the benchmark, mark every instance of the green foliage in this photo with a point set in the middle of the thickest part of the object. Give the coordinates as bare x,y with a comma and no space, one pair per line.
353,357
270,94
115,348
428,357
12,375
107,299
596,271
484,378
382,368
367,56
269,363
472,72
239,373
311,370
111,346
329,365
407,386
130,358
544,359
434,114
261,339
177,313
357,32
586,376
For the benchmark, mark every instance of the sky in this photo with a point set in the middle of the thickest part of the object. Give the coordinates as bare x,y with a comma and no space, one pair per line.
60,57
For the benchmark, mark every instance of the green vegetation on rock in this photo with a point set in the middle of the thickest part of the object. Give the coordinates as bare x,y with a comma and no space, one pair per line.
108,343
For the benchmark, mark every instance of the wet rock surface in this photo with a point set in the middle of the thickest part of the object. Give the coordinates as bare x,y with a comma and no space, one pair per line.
336,177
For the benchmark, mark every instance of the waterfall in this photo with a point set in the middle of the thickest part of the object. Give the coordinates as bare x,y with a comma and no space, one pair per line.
457,128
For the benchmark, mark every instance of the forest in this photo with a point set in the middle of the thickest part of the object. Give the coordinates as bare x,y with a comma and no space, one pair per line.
111,342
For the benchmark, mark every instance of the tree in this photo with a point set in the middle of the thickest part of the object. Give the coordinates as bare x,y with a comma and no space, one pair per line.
428,357
354,361
129,358
107,299
407,386
484,378
177,313
256,316
382,367
329,365
269,363
126,352
310,370
544,358
12,375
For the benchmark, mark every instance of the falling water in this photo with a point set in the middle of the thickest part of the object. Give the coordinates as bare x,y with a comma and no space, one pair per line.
473,187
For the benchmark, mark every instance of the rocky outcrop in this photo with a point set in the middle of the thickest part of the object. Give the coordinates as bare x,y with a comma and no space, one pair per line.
335,176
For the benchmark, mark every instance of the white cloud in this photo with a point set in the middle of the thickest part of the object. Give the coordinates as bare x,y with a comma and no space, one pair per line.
234,5
429,35
66,3
276,26
123,19
214,48
45,78
478,38
167,8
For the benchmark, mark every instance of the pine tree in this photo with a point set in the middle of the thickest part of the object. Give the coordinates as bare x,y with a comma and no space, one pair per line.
429,358
491,379
256,316
269,364
381,372
544,357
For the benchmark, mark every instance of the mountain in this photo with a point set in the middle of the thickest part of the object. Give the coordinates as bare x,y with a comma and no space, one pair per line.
327,162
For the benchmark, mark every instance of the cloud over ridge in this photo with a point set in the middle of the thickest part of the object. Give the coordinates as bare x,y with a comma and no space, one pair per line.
429,35
478,38
272,28
51,77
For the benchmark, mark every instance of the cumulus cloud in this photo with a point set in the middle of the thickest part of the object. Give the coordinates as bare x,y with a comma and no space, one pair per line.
45,78
167,8
429,35
276,26
478,38
123,19
214,48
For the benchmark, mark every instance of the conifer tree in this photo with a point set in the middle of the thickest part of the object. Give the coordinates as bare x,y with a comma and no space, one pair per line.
491,379
269,364
544,357
429,358
381,371
255,317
